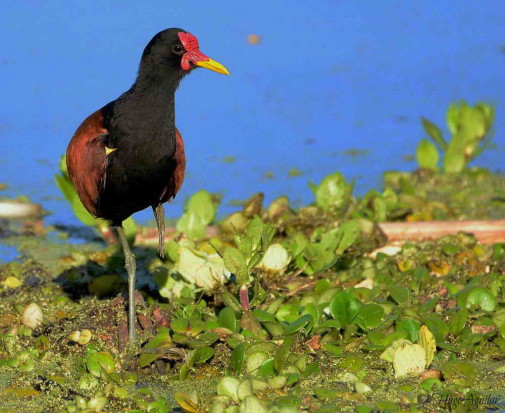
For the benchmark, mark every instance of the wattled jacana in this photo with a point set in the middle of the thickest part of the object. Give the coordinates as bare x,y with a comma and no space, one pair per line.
129,155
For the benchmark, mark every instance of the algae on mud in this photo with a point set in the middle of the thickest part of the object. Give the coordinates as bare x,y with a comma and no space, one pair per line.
316,326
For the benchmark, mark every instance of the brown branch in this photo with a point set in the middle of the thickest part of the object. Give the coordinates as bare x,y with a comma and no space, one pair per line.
149,236
302,287
486,231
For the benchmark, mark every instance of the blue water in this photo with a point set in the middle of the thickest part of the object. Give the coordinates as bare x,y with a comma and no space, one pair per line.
8,253
328,76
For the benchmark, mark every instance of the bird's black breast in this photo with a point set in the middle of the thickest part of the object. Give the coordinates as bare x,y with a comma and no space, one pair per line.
132,186
140,162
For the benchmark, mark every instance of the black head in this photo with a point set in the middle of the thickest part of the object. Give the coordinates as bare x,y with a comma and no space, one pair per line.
177,51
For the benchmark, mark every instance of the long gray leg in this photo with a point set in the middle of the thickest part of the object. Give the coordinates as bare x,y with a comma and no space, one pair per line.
159,215
131,267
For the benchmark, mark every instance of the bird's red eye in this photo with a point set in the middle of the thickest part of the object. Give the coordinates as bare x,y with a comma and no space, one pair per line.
178,48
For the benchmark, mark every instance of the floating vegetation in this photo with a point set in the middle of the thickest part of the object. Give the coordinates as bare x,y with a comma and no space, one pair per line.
271,309
228,159
471,134
294,172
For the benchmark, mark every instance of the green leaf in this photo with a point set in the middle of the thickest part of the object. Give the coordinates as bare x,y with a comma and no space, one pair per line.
470,128
282,354
439,328
275,329
434,133
409,359
289,312
411,327
344,307
230,301
204,270
399,293
130,229
454,160
234,261
299,243
205,354
314,312
267,236
237,358
330,240
458,322
427,341
320,259
481,297
333,350
172,250
262,316
389,353
203,340
461,372
298,324
184,372
98,361
266,368
193,357
255,231
161,342
370,316
329,324
200,211
184,400
202,205
195,327
192,226
499,320
452,117
333,193
427,155
63,166
312,368
227,319
259,293
347,234
380,209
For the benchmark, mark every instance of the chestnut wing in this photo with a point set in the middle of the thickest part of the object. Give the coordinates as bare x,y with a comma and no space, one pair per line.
177,176
87,161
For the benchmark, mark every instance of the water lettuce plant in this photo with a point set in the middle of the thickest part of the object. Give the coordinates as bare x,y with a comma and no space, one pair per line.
471,133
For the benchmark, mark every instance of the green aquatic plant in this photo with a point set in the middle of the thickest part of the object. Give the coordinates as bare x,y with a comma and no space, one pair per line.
471,133
199,213
250,248
328,321
333,193
324,248
67,189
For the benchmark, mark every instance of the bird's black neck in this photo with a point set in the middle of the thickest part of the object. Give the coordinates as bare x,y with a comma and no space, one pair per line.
145,115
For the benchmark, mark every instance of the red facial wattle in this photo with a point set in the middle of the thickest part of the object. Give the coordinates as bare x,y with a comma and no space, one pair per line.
193,55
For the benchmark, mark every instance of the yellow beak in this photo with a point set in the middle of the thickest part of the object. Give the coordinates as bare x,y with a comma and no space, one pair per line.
212,65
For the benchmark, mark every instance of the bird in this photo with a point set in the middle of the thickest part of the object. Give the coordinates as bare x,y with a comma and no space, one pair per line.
129,155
